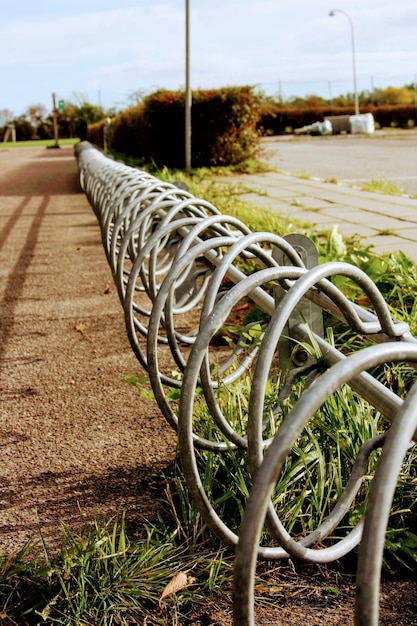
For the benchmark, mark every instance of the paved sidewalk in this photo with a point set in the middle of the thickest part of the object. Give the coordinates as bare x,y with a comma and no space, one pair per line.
77,443
386,222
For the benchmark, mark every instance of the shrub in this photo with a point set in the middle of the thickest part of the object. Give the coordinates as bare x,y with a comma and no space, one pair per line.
394,115
276,119
128,133
164,124
95,133
223,128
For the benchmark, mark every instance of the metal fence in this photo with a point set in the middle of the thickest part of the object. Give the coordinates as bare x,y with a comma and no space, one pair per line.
184,273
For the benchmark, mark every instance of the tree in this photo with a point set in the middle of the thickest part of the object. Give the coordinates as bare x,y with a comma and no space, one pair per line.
137,96
315,102
36,113
396,95
77,115
24,128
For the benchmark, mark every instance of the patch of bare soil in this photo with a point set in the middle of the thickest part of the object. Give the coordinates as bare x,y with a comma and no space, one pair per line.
314,597
76,441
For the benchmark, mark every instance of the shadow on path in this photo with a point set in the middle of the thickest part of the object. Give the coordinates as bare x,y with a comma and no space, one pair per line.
54,176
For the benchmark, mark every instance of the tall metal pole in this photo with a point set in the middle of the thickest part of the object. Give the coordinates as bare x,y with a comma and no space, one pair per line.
188,99
329,83
55,120
415,96
352,35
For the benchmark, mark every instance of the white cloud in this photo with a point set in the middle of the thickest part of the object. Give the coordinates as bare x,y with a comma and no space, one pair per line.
119,46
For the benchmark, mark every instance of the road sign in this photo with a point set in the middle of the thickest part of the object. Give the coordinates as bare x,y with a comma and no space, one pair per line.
61,105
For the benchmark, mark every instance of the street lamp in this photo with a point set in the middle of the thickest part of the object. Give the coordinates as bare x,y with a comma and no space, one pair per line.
332,14
188,96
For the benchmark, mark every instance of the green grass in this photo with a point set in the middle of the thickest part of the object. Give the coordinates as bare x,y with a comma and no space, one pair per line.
320,465
101,577
226,197
382,185
38,143
302,175
396,277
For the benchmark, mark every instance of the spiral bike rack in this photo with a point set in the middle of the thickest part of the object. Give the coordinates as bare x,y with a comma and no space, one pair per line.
184,272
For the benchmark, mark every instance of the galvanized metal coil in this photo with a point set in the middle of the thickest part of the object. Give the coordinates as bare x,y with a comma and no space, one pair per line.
183,272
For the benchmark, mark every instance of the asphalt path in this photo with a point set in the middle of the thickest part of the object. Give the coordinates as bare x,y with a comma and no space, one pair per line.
350,159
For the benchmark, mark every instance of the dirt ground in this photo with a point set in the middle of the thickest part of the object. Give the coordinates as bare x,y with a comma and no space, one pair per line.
76,441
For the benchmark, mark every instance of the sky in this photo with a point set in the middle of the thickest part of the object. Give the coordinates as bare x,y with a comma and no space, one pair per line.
105,51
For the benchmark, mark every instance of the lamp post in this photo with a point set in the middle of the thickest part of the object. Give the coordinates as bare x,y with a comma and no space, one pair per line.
332,14
188,98
55,120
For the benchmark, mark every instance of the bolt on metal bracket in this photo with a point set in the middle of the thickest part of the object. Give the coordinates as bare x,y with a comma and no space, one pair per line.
291,353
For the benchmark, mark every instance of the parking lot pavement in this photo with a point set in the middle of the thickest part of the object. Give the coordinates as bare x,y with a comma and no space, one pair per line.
387,222
352,159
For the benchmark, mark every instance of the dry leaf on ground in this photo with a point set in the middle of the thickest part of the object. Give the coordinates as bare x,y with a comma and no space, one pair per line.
177,582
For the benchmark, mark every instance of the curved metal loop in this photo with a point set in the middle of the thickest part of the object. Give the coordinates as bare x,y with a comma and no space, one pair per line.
269,470
184,274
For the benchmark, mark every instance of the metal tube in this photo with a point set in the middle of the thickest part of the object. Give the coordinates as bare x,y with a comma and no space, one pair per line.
188,97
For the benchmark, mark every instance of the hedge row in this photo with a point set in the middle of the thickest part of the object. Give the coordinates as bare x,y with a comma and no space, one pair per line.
226,125
276,120
224,128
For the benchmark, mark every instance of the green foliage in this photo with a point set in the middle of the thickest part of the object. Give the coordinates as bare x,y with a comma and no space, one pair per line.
34,143
23,588
224,126
164,124
382,185
314,473
391,107
401,537
394,274
24,128
279,119
101,577
77,117
127,133
320,463
140,382
393,95
84,110
226,196
401,548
